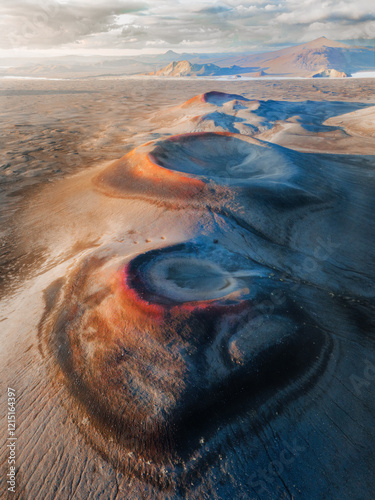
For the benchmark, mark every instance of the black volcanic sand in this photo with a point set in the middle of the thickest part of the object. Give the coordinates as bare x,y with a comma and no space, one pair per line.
219,348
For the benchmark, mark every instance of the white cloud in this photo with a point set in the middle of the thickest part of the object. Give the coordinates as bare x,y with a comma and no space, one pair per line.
222,24
50,23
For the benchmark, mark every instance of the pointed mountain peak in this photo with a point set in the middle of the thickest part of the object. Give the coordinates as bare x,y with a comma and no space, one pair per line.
323,41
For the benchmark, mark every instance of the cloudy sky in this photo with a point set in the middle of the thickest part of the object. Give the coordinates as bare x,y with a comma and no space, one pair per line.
114,27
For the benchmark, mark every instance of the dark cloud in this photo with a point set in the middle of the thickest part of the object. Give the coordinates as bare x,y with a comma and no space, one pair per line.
215,10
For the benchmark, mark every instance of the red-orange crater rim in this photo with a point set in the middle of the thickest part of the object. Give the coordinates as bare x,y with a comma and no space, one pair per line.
221,156
156,302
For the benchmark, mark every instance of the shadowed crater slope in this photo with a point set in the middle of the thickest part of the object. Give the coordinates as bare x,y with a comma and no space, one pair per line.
223,157
173,348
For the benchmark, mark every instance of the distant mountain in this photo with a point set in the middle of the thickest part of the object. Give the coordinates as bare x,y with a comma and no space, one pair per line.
185,68
329,73
81,66
320,58
312,57
66,68
168,56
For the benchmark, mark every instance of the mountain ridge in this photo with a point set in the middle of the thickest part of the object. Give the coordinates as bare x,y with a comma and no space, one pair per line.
319,57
